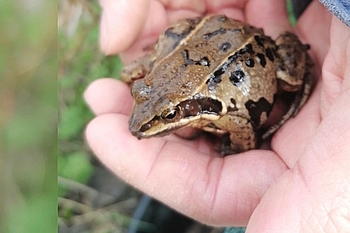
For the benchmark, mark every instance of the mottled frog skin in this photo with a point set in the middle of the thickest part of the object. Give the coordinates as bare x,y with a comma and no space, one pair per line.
219,75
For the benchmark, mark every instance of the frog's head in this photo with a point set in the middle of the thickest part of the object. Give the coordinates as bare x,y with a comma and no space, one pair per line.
158,111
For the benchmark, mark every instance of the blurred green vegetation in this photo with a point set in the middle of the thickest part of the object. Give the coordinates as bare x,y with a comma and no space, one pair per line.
28,116
292,18
79,62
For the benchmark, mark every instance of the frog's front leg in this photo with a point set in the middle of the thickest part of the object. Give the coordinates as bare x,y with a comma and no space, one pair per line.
241,135
137,69
294,62
294,69
293,74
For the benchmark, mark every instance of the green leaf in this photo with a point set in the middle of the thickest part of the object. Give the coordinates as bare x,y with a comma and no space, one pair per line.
73,121
75,167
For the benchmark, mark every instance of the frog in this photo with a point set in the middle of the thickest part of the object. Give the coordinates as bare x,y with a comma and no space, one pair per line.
219,75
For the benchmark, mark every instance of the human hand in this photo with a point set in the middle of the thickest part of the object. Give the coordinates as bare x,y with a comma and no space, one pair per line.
290,187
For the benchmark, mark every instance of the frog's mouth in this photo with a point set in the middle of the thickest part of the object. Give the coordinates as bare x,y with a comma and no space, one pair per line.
158,128
172,118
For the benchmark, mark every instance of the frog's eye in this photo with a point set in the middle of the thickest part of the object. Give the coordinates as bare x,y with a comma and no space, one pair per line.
171,114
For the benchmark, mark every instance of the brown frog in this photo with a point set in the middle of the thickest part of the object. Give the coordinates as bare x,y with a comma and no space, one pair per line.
220,75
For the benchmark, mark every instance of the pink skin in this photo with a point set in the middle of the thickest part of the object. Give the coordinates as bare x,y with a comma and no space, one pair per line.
302,185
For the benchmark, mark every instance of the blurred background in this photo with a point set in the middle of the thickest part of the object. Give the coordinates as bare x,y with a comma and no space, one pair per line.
28,116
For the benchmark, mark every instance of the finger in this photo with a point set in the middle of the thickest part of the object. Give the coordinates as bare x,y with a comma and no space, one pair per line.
271,15
108,96
291,139
299,130
121,22
316,34
335,69
155,23
161,14
317,186
184,9
219,191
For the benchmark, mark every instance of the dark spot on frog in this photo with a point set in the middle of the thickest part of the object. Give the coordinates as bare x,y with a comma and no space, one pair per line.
215,78
255,110
249,143
214,33
177,37
237,77
262,60
234,108
274,51
193,22
259,40
165,66
247,49
221,18
250,62
269,54
203,61
225,46
188,61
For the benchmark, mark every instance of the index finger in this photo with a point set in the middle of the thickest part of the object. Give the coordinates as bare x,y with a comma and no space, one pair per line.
121,22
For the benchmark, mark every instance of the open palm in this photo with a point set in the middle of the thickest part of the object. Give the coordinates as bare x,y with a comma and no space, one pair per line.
269,189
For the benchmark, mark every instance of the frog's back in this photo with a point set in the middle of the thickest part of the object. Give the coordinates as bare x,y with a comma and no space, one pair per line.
212,36
190,51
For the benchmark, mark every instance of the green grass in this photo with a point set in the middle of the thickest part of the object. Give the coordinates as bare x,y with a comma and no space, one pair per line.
292,18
